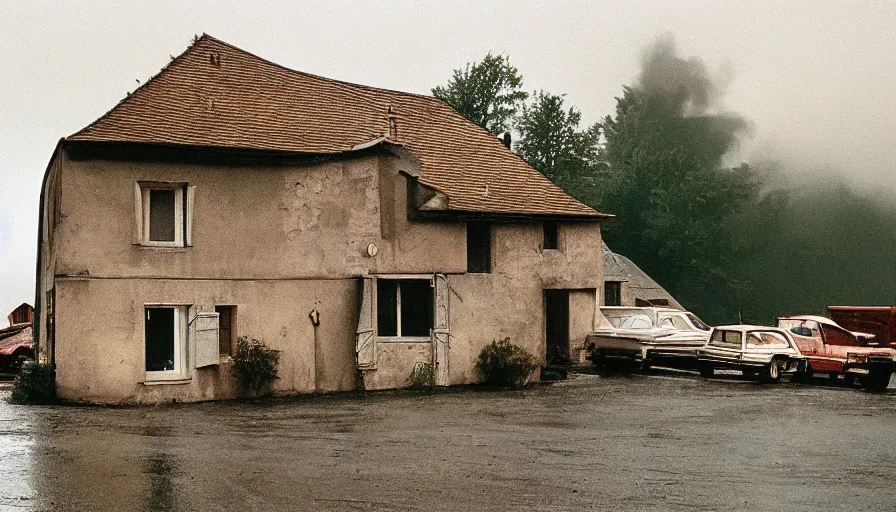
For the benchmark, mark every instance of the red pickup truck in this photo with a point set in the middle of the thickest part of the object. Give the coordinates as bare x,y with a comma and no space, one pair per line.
828,347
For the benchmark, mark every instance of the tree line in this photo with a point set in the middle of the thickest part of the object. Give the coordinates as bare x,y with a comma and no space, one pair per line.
722,240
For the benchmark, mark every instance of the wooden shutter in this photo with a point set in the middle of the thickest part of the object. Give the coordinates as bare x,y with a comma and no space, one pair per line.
441,336
204,335
365,336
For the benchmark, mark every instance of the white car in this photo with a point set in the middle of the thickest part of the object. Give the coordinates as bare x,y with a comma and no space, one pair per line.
752,349
646,336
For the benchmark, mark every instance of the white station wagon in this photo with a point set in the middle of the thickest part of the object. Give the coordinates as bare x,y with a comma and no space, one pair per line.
752,349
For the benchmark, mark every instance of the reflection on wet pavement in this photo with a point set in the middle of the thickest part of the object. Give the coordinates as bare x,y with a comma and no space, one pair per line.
664,441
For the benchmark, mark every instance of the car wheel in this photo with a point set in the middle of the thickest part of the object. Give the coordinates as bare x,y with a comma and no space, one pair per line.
876,381
706,369
599,358
806,374
772,372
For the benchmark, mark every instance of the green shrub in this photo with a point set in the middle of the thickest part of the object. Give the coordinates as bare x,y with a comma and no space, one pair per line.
34,385
501,363
422,376
255,366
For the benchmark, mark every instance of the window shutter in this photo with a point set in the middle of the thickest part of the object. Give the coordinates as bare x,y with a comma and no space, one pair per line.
188,221
204,334
138,215
441,342
365,336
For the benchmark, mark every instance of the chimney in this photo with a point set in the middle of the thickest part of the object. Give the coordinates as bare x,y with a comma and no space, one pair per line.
507,139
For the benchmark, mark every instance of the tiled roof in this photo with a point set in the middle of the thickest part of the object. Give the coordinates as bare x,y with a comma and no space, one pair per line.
217,95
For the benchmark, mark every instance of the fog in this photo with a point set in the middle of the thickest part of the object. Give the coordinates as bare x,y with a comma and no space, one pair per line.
813,79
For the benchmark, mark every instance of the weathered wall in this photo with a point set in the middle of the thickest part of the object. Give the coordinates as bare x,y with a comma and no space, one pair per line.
509,302
100,346
253,222
277,242
582,311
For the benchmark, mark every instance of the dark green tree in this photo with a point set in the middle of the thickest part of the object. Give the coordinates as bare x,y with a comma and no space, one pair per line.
551,141
488,93
679,210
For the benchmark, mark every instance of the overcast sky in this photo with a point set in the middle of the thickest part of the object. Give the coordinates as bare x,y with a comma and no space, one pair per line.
816,79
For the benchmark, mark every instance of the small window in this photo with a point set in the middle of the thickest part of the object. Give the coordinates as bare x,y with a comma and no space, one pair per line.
226,317
612,293
165,341
726,338
163,214
404,308
551,235
479,247
766,340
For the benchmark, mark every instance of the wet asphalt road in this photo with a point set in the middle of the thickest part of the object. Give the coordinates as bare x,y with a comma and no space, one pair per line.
664,441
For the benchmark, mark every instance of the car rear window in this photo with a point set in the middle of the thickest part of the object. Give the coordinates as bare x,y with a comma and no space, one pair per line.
629,321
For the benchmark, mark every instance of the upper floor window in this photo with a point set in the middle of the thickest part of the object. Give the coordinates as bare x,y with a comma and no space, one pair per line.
163,213
551,234
479,247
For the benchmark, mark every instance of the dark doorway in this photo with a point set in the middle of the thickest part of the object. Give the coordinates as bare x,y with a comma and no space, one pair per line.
556,321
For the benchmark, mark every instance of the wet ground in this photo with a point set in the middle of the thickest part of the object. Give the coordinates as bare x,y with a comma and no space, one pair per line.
663,441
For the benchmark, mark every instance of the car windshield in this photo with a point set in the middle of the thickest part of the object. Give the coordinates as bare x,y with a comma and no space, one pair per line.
677,321
697,322
629,320
799,327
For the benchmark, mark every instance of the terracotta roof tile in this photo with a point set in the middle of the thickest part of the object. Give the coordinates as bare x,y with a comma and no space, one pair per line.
217,95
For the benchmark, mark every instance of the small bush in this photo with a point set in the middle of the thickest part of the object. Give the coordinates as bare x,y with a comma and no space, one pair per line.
255,366
34,385
501,363
422,376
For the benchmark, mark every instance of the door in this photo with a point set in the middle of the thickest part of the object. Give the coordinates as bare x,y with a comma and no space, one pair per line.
556,322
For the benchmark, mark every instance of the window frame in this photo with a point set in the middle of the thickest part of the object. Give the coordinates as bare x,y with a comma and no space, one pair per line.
181,343
183,214
399,338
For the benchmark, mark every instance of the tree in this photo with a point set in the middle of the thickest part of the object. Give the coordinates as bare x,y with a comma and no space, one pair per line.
488,93
550,141
678,208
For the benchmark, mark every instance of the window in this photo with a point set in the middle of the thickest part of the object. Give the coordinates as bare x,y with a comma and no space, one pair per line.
479,247
628,320
226,317
766,340
551,235
612,293
404,308
165,339
726,338
163,212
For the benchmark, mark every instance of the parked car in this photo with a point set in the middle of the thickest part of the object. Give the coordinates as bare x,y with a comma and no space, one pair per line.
828,347
646,336
752,349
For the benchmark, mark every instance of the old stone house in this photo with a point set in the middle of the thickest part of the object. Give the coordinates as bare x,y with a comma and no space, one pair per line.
360,231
